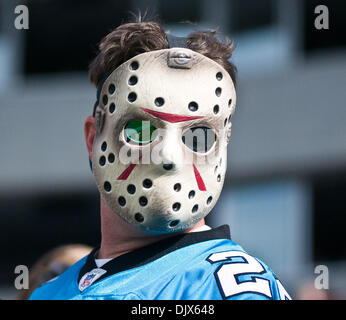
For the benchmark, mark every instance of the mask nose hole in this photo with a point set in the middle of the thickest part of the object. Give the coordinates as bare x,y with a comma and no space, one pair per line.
168,166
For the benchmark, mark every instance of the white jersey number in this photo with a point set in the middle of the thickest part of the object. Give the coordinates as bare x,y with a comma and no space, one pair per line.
238,263
282,292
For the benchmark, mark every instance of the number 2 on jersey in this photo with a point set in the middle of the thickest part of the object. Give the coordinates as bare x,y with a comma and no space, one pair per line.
236,264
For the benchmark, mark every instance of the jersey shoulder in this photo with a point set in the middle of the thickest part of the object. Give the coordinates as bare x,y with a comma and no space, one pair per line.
226,271
62,287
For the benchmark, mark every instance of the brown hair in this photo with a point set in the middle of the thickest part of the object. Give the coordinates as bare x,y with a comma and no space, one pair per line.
131,39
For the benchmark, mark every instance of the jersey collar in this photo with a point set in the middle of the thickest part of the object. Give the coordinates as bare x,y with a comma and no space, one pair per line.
151,252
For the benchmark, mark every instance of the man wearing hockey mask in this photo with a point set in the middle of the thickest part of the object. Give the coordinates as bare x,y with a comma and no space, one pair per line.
157,143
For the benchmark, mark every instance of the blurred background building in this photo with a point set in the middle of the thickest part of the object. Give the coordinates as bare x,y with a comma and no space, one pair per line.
285,192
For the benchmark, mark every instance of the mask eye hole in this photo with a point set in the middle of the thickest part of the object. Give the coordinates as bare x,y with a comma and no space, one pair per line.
140,132
199,139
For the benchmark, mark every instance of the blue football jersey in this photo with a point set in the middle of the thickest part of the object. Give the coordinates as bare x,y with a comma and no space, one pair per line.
204,265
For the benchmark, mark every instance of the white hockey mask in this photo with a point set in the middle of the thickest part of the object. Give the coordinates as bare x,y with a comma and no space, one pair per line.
163,123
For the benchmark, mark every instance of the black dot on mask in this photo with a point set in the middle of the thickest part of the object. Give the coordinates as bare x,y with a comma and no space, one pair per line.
111,157
122,201
105,99
216,109
102,161
176,206
229,102
104,146
133,80
147,183
218,178
174,223
112,108
168,166
225,122
177,187
193,106
192,194
195,208
111,88
159,102
134,65
107,186
219,76
131,189
132,97
139,217
209,200
143,201
218,92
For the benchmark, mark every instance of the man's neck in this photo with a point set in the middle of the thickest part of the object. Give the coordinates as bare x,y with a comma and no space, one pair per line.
119,237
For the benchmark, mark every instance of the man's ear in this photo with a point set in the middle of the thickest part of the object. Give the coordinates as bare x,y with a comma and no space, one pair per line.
89,133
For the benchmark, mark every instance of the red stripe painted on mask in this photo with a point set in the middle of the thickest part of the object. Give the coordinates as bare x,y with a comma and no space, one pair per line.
200,182
170,117
125,174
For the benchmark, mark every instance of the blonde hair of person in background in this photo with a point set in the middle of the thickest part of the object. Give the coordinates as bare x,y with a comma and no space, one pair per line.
52,264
